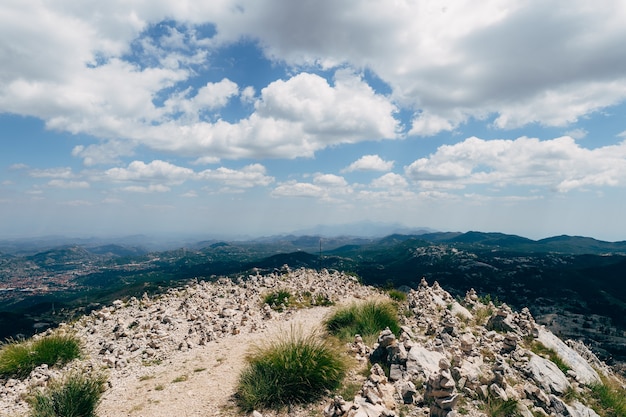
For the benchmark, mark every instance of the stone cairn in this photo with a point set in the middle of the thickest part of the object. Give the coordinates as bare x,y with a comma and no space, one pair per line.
441,390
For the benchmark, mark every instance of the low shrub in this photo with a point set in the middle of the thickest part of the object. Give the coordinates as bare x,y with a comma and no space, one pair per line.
19,358
277,299
75,396
397,295
293,369
366,319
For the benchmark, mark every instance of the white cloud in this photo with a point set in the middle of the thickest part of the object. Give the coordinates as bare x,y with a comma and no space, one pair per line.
446,60
249,176
525,62
390,181
68,184
17,167
77,203
105,153
157,170
298,189
329,180
326,187
206,160
369,163
559,163
64,172
210,97
152,188
430,124
579,133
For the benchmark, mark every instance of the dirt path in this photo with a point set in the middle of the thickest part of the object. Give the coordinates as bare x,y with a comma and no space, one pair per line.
198,382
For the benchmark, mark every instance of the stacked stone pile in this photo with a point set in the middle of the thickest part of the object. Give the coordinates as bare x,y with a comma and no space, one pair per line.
442,356
127,335
442,363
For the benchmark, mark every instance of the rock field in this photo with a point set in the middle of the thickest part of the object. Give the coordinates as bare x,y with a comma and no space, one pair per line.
180,353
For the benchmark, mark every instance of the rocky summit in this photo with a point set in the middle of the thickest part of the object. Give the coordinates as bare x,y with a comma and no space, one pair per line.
180,353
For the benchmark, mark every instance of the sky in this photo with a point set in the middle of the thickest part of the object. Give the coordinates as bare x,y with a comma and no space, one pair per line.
258,117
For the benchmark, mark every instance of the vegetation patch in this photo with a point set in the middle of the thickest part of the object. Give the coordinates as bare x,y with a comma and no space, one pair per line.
609,398
482,314
19,358
366,319
281,299
294,369
278,300
540,349
497,407
397,295
75,396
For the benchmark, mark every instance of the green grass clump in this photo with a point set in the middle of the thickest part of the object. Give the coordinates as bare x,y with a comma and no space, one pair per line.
278,299
609,398
19,358
75,396
497,407
291,370
366,319
397,295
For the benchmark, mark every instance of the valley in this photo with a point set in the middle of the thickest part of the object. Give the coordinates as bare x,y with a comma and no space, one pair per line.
575,286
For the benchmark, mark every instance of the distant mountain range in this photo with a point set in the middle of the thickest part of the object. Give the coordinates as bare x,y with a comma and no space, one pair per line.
330,237
576,285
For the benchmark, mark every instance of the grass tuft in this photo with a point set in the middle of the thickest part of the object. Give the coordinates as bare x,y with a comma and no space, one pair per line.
19,358
497,407
75,396
609,398
293,369
278,300
366,319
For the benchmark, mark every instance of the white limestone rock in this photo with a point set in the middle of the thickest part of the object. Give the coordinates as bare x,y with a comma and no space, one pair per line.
584,372
547,375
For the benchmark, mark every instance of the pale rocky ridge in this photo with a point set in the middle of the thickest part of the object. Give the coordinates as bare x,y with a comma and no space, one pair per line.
180,353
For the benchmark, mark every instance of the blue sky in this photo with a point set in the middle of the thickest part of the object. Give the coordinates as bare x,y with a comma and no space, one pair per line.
259,117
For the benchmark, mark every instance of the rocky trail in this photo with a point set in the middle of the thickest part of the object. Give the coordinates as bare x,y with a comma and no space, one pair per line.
180,353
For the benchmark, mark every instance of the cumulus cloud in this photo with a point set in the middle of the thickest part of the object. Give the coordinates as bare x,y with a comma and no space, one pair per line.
560,164
330,180
249,176
210,97
369,163
152,188
327,187
390,181
525,62
298,189
98,69
157,170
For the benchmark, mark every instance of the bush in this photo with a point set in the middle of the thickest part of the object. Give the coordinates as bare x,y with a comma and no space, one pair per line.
278,299
397,295
366,319
76,396
294,369
19,358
